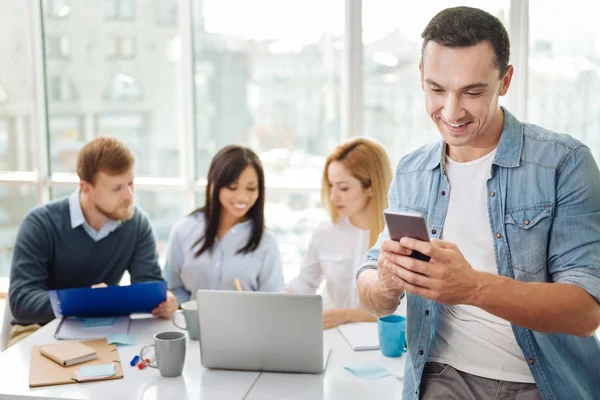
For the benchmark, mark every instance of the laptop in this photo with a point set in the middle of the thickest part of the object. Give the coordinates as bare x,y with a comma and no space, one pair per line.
260,331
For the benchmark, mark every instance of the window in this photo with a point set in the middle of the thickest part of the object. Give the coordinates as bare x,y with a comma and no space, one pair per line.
66,138
292,218
120,47
132,128
15,143
58,47
15,202
269,83
394,106
273,84
164,208
122,87
119,9
137,101
166,12
16,147
61,89
56,8
564,71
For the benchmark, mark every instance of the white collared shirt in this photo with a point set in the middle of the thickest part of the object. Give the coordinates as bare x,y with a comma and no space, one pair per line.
335,253
77,219
258,270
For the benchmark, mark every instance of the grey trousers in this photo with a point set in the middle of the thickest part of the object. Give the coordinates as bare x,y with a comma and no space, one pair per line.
441,381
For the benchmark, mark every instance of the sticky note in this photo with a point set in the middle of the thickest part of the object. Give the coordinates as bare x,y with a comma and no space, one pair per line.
96,322
368,371
96,371
121,339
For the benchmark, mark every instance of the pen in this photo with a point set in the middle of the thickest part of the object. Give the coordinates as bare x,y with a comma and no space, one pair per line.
237,284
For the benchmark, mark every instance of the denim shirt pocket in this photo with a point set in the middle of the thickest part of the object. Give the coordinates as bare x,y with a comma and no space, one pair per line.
527,231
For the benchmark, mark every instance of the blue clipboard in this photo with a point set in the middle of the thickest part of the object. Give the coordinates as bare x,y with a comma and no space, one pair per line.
108,301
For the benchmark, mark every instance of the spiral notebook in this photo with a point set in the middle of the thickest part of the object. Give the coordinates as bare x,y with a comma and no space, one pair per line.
361,335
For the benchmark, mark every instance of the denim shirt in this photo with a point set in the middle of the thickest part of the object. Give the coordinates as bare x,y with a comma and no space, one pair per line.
544,212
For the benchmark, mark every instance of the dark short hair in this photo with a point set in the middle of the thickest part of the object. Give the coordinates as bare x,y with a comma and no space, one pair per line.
467,26
225,168
103,154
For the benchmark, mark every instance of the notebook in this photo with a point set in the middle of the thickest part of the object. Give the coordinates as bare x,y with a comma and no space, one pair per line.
361,335
45,372
69,353
76,329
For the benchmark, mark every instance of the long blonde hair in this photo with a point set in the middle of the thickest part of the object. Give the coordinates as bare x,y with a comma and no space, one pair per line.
368,162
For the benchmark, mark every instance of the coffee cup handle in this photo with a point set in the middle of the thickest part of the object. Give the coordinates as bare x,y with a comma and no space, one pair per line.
142,358
178,312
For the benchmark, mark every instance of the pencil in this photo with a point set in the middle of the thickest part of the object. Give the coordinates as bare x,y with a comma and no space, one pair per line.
237,284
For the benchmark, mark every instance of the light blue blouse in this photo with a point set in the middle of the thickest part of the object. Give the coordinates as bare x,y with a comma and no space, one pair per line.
185,273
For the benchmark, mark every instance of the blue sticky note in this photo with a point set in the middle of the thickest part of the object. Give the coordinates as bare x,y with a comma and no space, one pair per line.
96,371
368,371
121,338
97,322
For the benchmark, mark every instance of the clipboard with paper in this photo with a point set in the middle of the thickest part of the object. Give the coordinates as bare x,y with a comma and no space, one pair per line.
108,301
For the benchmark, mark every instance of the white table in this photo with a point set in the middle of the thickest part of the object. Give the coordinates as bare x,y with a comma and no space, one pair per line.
195,383
200,383
336,382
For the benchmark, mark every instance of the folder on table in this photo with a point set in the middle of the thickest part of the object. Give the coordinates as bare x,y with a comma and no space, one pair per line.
108,301
361,335
45,372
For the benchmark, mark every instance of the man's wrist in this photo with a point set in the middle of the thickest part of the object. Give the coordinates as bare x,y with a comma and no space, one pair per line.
380,302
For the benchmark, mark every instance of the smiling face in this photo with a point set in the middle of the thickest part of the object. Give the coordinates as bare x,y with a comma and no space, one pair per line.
462,86
346,192
239,197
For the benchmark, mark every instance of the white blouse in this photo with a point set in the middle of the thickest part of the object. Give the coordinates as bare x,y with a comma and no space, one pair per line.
259,270
335,254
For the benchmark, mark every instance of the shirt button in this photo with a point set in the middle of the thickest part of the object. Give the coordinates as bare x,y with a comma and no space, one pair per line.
426,312
433,231
527,222
498,235
531,361
420,352
492,194
443,193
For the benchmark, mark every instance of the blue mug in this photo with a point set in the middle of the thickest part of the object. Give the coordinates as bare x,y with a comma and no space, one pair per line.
392,335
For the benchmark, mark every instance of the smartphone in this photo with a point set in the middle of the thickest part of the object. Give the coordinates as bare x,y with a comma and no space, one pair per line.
407,225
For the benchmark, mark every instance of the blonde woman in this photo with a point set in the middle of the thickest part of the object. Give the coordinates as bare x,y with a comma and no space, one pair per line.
356,178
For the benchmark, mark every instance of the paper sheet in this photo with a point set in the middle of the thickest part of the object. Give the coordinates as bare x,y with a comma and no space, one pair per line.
75,329
361,335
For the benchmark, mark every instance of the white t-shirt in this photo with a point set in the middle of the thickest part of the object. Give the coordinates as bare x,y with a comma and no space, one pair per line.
335,254
466,337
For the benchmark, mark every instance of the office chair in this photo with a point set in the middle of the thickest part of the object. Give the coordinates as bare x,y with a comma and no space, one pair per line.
6,327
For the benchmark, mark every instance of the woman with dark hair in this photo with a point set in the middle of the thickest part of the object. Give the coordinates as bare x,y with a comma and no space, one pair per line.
225,240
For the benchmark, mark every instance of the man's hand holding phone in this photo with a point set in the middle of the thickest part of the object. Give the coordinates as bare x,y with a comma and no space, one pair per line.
435,269
390,284
447,278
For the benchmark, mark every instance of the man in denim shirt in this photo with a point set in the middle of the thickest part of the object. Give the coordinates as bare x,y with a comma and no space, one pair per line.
509,303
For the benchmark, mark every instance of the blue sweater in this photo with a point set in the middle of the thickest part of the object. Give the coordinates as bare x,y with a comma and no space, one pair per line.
49,254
